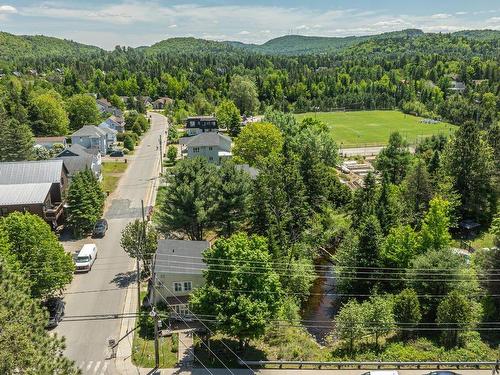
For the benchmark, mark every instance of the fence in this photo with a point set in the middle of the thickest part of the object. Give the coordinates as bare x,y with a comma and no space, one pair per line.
495,365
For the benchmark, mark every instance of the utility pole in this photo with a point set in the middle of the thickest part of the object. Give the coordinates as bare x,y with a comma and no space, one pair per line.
154,315
161,156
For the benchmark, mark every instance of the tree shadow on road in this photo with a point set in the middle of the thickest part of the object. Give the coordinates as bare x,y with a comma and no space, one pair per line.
124,279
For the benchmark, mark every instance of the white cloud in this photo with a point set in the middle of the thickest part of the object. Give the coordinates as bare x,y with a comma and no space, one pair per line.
460,13
134,22
7,9
441,16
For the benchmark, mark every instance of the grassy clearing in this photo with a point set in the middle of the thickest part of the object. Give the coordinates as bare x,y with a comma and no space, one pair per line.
111,173
143,346
373,128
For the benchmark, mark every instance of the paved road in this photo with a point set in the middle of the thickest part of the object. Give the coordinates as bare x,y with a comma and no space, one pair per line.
364,151
102,291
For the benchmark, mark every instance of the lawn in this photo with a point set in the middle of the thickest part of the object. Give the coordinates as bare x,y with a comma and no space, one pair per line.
143,347
111,173
373,128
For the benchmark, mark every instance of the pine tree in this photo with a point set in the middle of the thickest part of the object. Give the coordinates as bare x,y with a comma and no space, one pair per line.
16,141
364,202
388,211
85,202
468,160
233,199
417,191
25,346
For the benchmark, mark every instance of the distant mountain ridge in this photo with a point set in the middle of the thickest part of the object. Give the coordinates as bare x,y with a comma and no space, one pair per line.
25,46
22,46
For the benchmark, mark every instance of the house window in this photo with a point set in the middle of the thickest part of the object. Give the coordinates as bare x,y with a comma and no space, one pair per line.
187,286
191,123
196,149
210,158
178,287
210,148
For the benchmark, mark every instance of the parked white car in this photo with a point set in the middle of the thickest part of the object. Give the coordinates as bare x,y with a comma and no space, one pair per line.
86,258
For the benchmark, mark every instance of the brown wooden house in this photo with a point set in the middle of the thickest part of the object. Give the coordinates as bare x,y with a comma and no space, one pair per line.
34,186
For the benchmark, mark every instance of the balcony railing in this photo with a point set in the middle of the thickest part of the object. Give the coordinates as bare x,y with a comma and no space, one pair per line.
54,211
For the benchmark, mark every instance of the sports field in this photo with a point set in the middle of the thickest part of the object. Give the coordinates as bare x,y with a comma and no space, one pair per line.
373,128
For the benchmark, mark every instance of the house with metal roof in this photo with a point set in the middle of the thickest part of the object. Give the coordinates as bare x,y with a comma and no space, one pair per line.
76,158
162,102
215,147
91,137
34,186
178,271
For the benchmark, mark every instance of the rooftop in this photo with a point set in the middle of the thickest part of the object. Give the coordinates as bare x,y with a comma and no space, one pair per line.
29,172
204,139
179,256
89,131
19,194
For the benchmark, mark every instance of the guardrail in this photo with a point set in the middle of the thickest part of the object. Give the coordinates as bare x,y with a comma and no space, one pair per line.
373,364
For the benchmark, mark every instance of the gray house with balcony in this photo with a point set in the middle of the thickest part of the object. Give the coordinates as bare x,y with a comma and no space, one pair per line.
178,271
91,137
214,147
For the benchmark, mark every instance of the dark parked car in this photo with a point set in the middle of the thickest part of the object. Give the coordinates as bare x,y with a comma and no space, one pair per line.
443,372
55,307
100,228
117,154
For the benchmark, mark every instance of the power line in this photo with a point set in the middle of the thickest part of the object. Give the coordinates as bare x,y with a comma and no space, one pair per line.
339,277
317,266
184,321
206,327
360,270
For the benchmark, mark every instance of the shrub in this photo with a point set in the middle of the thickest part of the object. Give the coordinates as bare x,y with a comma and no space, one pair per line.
128,142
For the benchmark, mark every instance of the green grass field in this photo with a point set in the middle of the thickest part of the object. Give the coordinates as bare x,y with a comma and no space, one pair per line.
373,128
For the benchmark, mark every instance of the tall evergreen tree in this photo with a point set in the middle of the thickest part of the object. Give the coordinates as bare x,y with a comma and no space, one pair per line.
16,140
364,202
25,346
417,191
388,210
85,202
233,199
395,158
468,159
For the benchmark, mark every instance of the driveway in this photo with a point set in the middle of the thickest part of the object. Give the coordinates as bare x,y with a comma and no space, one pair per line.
102,290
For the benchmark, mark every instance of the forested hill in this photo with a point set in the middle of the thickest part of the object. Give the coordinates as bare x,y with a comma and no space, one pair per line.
13,47
410,40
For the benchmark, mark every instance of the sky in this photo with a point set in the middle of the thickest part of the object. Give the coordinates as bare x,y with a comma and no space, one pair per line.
107,23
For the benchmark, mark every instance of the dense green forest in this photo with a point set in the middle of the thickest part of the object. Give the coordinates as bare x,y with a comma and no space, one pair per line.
409,70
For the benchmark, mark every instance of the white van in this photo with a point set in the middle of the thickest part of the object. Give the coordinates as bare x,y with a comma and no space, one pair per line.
86,257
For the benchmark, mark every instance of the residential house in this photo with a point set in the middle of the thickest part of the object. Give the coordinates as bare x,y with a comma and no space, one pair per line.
214,147
105,106
457,87
201,124
146,100
34,186
115,123
76,158
178,271
49,142
91,137
161,103
110,135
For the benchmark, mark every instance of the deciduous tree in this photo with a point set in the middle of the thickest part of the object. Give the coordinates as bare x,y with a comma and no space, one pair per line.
228,116
38,253
82,110
242,315
257,141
